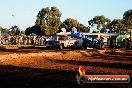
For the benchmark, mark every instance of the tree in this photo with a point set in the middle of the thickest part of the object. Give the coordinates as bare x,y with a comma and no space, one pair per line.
49,20
116,25
69,23
99,21
28,31
83,28
34,29
128,20
127,17
14,30
3,30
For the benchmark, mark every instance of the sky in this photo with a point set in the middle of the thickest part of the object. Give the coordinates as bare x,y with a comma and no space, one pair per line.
23,12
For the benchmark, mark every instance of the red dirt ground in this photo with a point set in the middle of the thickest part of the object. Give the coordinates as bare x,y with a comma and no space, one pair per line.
40,68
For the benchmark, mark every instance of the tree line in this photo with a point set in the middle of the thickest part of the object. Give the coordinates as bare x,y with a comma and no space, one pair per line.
48,23
13,31
102,23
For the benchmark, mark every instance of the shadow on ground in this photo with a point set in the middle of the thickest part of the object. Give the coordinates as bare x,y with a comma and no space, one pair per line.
98,64
23,77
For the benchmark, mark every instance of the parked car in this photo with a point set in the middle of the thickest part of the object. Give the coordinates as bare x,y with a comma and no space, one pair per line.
54,45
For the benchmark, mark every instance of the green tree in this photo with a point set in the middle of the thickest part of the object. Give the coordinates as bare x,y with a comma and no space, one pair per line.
116,25
83,28
14,30
69,23
127,17
28,31
34,29
49,20
128,21
3,30
100,22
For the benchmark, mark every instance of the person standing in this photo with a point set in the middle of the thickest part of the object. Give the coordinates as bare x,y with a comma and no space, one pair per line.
101,43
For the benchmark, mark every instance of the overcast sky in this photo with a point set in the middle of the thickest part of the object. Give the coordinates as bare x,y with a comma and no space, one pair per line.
23,12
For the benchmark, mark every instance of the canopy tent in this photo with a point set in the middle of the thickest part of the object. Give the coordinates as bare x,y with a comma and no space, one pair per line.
32,34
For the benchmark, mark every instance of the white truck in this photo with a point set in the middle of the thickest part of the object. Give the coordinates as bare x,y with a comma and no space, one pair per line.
66,42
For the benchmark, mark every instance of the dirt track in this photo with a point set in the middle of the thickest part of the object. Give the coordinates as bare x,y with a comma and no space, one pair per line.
27,68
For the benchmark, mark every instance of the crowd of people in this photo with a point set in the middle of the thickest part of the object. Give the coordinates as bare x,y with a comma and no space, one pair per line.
41,41
112,43
23,40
